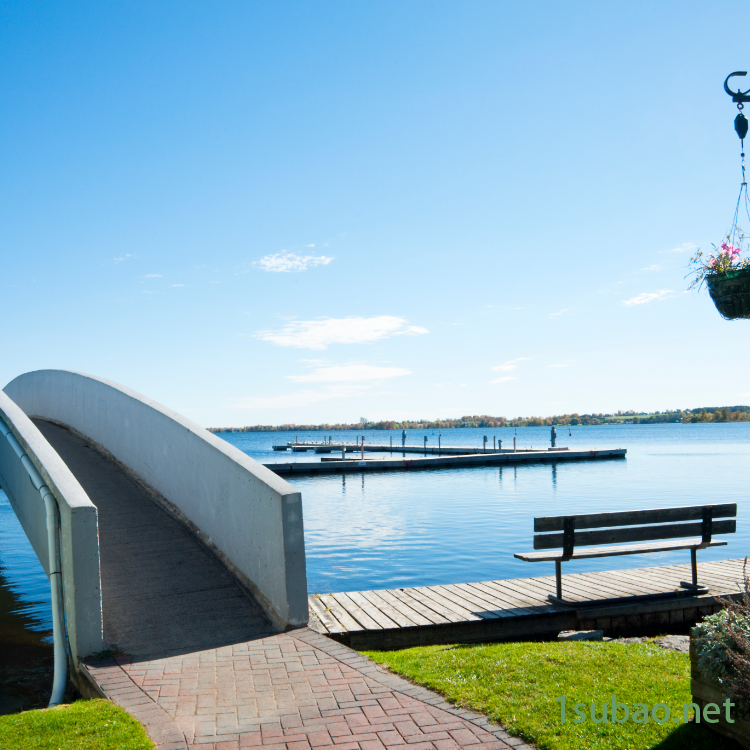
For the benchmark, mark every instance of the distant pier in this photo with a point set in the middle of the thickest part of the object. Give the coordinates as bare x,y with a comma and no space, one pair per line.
444,457
425,450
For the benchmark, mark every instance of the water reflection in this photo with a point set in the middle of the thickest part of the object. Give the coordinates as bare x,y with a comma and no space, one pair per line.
459,525
26,657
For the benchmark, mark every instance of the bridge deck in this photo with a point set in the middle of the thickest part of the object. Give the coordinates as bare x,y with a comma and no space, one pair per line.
517,608
161,589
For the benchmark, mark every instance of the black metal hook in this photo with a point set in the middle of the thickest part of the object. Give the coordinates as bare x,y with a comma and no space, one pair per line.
737,96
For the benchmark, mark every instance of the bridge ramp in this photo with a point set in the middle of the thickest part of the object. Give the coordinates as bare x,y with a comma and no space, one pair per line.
162,591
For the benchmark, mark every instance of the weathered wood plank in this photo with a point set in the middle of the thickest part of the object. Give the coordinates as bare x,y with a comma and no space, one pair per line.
536,592
400,606
616,586
395,615
356,611
635,534
521,599
416,604
631,549
577,588
458,603
643,584
725,569
510,607
683,572
633,517
441,605
329,622
622,586
477,604
340,613
524,588
371,610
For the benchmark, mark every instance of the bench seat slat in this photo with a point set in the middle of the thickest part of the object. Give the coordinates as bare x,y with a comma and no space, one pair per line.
635,517
631,549
634,534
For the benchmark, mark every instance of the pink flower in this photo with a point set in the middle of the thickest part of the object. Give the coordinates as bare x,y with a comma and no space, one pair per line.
711,262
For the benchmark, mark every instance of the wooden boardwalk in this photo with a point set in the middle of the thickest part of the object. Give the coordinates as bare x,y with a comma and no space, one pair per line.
518,608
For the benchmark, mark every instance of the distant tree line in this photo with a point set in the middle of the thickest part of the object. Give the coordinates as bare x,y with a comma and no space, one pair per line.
705,414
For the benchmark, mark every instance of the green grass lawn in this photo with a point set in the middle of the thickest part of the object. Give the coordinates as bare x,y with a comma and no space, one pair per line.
517,684
93,725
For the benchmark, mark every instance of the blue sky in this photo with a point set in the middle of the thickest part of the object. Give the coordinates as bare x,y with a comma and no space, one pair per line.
305,212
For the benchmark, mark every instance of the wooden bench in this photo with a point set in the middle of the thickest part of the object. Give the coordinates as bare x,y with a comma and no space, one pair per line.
680,526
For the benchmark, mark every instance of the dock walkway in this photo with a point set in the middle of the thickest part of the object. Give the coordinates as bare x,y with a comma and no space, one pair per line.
518,608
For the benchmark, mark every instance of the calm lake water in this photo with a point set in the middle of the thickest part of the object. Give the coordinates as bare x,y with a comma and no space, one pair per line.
397,529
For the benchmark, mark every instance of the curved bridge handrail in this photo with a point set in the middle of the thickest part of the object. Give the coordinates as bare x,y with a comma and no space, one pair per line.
79,535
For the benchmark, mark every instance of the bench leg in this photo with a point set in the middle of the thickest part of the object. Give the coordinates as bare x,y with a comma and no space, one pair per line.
694,566
558,578
694,585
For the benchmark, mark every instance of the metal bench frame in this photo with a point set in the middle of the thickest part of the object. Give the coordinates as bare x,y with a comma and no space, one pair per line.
629,526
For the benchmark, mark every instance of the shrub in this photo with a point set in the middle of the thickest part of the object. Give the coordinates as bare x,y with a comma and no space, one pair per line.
723,642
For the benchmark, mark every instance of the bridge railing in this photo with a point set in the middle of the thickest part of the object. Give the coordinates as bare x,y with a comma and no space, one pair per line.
249,516
79,530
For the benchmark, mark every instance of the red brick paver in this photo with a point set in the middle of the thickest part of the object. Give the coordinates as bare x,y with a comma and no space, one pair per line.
290,691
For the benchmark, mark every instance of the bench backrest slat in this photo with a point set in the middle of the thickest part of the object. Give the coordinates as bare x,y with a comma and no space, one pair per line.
634,517
635,534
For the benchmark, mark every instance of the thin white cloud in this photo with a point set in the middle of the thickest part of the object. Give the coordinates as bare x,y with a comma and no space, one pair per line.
153,276
655,267
319,334
644,297
510,364
122,258
349,374
502,380
291,262
313,245
557,314
178,285
684,248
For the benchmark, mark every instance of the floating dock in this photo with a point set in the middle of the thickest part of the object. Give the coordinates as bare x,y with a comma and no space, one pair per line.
438,450
495,458
518,608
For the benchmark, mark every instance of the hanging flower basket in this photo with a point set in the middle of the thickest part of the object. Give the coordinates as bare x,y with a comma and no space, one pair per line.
730,293
727,276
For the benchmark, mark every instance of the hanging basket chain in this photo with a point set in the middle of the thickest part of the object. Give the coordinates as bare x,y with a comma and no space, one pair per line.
735,234
726,275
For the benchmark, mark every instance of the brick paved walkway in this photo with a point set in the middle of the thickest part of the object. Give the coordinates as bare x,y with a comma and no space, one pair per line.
291,691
